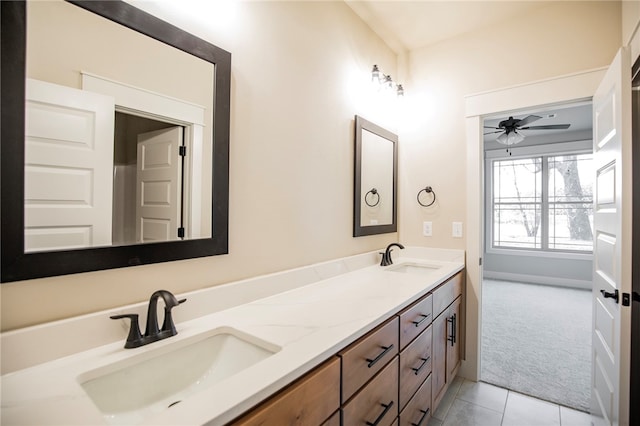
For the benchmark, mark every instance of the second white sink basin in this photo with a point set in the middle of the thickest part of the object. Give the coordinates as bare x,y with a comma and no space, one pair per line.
415,268
131,390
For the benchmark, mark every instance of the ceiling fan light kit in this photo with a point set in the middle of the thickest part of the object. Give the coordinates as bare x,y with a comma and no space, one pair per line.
509,129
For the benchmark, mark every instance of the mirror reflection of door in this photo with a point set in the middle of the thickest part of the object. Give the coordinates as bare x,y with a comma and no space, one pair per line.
159,186
148,174
68,167
376,185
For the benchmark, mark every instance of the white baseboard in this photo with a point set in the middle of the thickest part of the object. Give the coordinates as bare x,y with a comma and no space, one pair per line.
539,279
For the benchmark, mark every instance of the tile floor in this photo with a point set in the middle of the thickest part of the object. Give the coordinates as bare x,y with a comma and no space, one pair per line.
469,403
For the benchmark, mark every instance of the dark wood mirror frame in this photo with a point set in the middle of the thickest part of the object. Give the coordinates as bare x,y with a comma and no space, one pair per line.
18,265
358,229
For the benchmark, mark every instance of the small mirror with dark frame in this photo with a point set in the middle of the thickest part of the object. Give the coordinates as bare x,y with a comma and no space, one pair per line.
375,179
19,260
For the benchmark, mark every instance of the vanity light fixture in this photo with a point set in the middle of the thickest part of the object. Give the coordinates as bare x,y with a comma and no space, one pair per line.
385,81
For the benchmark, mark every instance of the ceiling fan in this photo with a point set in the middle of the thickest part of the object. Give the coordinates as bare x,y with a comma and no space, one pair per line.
510,127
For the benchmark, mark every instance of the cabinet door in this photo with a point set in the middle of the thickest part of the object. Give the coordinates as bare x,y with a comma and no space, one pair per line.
439,355
453,338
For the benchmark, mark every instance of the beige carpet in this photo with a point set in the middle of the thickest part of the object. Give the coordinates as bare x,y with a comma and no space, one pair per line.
536,340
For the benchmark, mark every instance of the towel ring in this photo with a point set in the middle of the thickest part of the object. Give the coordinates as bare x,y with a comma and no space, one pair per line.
372,191
428,190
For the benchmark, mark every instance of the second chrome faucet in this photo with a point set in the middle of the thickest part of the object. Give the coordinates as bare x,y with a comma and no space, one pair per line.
152,332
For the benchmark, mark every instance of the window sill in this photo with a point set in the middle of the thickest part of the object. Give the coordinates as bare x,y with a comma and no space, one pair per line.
540,253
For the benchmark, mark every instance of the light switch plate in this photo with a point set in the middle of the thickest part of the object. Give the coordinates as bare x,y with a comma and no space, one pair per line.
427,229
456,230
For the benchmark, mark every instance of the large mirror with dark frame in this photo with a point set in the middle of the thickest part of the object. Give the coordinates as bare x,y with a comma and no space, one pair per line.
115,139
375,179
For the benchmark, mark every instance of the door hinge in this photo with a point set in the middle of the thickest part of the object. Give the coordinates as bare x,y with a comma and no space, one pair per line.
480,261
181,232
182,151
626,299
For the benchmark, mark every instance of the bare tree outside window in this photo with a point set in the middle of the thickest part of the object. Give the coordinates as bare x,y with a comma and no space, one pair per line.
519,203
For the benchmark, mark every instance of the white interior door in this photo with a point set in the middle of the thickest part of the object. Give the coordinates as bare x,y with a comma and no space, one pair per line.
612,244
68,167
158,185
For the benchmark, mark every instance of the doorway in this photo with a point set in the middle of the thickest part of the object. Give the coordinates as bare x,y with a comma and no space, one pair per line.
536,309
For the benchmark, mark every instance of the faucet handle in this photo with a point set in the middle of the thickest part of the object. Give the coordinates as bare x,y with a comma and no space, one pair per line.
134,339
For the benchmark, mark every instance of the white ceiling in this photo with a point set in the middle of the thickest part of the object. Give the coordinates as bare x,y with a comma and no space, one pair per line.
409,25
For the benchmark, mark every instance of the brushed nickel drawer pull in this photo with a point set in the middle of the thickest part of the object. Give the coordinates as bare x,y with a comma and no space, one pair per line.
387,407
376,359
424,416
424,318
424,362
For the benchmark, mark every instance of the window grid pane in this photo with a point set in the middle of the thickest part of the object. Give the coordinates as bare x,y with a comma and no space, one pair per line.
517,203
570,202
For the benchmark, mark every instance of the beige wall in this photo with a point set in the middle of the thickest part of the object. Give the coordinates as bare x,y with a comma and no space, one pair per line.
557,39
300,72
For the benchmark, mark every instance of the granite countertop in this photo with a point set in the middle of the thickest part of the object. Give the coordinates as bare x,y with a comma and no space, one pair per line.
303,326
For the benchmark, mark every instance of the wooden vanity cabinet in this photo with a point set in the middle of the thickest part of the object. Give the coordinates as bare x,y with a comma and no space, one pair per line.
395,375
311,400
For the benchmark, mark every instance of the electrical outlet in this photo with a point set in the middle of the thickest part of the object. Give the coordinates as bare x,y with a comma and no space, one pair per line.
427,229
456,230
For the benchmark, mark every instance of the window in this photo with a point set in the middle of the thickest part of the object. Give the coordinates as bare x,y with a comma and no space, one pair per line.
543,203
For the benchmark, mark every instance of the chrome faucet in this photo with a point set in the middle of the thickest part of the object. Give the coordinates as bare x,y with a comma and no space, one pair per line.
152,334
386,256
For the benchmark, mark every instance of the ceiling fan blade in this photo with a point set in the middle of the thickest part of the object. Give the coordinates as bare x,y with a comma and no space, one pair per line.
491,127
491,133
547,127
528,119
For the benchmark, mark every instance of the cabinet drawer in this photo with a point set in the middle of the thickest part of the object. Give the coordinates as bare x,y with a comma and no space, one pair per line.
377,402
418,410
415,366
414,320
364,358
447,293
310,400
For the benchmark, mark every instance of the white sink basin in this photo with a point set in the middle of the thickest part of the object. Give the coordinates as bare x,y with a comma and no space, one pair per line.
129,391
414,268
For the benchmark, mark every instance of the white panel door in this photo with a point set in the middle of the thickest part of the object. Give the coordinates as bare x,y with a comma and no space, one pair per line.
68,167
612,244
159,185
